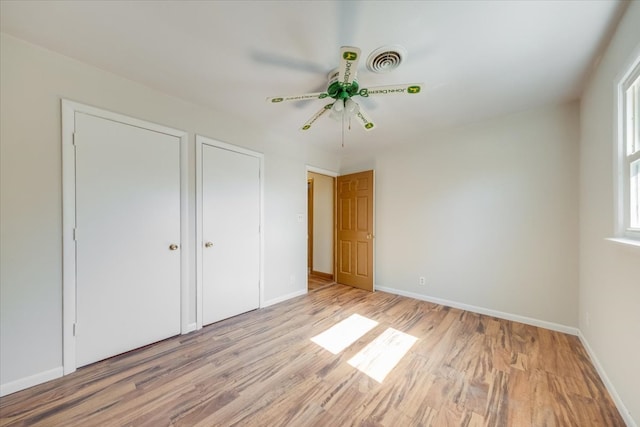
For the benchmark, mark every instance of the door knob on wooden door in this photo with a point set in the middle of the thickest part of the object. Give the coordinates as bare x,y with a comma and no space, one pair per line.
173,247
208,244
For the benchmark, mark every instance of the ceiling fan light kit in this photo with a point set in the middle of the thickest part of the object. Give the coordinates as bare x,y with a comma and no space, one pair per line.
344,108
343,85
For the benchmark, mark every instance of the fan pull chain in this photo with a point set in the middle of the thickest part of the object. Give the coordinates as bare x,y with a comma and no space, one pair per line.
342,130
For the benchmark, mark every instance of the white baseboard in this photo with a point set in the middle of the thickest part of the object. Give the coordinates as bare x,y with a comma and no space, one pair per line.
624,412
283,298
481,310
30,381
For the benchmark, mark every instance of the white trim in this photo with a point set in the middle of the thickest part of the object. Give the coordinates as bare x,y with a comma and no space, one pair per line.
627,243
190,328
486,311
110,115
620,189
321,171
30,381
68,242
284,298
624,412
69,110
200,141
198,146
185,236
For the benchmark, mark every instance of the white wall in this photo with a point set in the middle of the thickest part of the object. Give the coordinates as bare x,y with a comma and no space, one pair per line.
33,81
609,274
487,213
322,223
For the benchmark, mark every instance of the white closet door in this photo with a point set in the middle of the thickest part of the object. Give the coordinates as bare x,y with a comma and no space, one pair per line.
127,217
230,231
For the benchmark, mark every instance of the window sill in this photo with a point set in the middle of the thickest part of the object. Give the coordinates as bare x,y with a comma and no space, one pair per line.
626,242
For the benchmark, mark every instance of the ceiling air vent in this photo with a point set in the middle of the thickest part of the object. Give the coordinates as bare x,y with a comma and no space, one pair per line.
386,58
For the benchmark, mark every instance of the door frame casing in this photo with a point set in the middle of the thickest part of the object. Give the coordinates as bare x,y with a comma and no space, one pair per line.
204,140
69,284
309,225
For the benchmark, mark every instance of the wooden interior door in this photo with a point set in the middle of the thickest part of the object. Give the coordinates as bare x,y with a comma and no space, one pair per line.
231,233
354,242
127,237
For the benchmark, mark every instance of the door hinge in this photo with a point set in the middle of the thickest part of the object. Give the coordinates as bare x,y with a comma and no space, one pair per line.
75,234
73,139
74,329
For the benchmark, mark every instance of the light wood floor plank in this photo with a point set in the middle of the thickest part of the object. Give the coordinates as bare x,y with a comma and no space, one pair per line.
262,369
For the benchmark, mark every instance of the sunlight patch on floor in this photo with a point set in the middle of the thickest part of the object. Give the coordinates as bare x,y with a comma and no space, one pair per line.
343,334
381,355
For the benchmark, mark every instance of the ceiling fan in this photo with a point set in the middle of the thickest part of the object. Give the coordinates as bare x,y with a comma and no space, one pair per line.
343,86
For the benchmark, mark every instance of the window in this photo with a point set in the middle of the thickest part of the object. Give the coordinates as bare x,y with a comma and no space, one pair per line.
629,154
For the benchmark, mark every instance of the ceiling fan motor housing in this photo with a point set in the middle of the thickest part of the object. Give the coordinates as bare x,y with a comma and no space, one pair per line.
337,90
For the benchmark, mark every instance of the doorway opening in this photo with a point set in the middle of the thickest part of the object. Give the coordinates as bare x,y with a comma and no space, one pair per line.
320,231
343,252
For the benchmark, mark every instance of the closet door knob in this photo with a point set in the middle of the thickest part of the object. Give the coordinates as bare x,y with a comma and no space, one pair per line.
173,247
208,245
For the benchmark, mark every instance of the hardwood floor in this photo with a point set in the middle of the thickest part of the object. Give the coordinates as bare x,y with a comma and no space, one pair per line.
262,369
317,282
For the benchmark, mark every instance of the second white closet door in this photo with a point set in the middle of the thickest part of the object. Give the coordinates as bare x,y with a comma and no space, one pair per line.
230,231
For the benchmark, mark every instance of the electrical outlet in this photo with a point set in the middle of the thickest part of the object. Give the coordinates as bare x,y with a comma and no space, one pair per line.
422,281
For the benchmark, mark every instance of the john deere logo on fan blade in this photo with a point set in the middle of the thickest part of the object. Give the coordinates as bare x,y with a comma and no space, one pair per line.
323,95
350,56
368,125
413,89
305,127
277,100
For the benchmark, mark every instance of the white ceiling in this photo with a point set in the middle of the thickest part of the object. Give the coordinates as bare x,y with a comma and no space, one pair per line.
477,59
